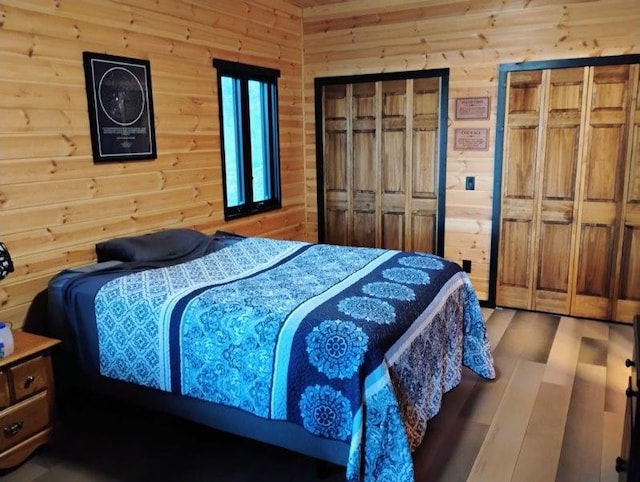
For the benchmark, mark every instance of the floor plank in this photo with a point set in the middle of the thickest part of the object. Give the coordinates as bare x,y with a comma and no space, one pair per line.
563,357
580,456
544,436
498,321
499,452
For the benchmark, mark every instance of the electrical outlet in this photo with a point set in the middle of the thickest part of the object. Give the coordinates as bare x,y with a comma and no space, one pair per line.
466,265
470,183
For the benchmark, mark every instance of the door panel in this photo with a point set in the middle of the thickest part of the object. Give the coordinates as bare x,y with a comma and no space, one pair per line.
337,218
560,169
515,273
630,286
336,141
363,227
520,173
557,206
554,276
594,269
393,230
518,225
628,298
394,163
603,162
423,173
364,165
594,272
425,154
423,229
393,160
601,206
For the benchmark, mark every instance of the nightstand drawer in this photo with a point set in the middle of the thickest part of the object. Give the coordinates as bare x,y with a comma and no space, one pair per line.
22,420
5,395
29,377
26,397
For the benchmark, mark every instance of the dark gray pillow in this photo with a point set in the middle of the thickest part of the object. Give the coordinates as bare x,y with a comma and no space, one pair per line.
161,246
222,239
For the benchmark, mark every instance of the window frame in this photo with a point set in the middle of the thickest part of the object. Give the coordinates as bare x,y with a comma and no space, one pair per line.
243,73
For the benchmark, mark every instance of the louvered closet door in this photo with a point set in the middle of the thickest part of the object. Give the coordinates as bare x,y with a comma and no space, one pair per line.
381,163
565,180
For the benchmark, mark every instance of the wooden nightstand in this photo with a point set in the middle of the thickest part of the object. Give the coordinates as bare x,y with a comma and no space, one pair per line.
26,398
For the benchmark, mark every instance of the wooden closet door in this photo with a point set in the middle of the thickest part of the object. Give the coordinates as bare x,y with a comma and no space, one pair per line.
364,163
541,155
628,289
569,226
520,192
381,163
601,207
423,172
564,105
338,197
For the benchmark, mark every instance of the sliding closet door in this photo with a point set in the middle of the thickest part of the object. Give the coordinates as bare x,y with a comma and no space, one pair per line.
562,136
627,300
381,163
541,168
350,165
425,163
338,199
601,204
565,203
518,228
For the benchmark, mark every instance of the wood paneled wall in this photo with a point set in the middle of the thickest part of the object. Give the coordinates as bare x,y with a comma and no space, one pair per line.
55,202
471,38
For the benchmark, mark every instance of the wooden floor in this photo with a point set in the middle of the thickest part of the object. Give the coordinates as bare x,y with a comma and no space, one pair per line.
554,413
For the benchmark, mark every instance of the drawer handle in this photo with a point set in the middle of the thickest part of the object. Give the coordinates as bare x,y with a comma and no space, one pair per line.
630,392
14,428
29,380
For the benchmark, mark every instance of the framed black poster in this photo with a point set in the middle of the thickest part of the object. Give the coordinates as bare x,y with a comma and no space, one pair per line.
120,107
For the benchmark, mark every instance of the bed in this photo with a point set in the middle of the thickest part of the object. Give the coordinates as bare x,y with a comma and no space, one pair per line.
339,353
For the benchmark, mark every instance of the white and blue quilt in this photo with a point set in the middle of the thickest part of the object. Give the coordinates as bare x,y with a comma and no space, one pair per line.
353,344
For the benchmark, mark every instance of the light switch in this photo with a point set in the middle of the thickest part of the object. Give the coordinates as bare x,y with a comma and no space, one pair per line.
470,183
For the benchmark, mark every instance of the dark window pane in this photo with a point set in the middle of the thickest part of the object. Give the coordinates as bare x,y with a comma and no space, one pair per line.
249,128
231,114
259,120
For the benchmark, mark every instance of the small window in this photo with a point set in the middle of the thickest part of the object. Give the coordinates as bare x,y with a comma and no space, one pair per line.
248,101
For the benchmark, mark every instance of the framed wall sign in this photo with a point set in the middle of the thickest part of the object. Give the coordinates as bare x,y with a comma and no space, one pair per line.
473,107
471,139
120,107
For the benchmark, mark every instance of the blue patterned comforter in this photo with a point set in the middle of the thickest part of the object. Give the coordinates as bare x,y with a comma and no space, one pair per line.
354,344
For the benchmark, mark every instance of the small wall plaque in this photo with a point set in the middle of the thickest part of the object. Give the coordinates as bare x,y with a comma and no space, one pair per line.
473,107
472,139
